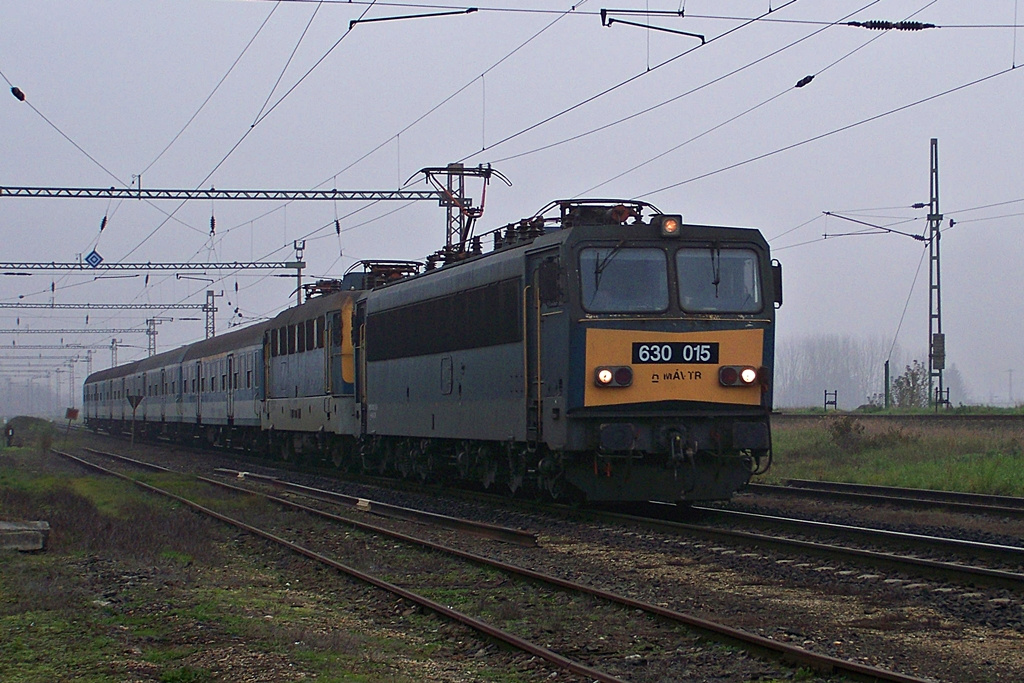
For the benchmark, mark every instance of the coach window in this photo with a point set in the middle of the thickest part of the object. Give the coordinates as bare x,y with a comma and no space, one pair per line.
615,279
319,331
273,343
716,280
300,341
291,339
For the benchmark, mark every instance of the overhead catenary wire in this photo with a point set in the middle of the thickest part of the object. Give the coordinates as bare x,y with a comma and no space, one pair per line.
834,131
615,87
800,84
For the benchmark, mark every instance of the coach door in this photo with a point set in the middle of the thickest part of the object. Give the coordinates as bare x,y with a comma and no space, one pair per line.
163,395
232,385
200,387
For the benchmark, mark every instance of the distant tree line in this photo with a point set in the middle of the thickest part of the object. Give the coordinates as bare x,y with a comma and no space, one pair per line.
854,368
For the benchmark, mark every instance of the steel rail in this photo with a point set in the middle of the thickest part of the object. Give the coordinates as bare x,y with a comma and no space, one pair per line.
953,501
482,529
722,632
920,541
922,494
488,629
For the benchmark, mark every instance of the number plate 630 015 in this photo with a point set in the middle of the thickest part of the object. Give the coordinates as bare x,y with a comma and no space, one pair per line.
675,352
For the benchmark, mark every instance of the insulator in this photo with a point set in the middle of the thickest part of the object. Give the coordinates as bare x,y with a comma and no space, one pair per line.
16,91
804,81
213,225
879,25
103,223
337,226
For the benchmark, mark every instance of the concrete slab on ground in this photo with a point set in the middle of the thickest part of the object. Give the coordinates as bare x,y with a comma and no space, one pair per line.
23,535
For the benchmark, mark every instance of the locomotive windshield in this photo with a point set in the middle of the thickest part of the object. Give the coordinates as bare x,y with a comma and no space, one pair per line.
624,280
719,280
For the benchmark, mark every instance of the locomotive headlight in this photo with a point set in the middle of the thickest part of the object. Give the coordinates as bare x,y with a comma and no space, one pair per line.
737,375
668,226
621,376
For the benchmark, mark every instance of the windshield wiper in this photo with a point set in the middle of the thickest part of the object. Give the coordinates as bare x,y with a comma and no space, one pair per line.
603,263
716,267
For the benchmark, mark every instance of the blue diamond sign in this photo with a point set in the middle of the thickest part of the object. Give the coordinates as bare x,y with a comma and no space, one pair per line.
94,259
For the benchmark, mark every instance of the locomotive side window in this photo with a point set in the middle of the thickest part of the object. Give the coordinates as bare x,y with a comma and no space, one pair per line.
623,280
719,280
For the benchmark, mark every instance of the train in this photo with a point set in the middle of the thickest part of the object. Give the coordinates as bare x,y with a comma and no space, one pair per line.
598,350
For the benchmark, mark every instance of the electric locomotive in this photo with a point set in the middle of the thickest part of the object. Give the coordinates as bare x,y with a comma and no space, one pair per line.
589,353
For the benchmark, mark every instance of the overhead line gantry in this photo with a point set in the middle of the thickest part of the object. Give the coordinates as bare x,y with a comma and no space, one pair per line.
212,193
227,265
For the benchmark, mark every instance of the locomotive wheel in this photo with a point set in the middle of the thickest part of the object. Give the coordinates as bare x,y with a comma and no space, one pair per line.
367,454
422,460
487,466
464,461
516,468
404,458
551,477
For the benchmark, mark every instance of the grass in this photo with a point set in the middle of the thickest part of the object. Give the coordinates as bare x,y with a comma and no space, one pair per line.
133,587
954,458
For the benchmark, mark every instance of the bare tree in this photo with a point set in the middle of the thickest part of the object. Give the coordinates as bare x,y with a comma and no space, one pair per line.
853,367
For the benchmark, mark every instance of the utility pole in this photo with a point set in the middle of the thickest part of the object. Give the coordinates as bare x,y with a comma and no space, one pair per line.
936,339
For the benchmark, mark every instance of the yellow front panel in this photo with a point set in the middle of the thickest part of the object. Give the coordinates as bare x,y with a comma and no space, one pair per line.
672,381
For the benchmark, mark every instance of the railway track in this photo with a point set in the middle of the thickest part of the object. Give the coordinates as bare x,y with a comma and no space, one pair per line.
963,574
908,498
673,619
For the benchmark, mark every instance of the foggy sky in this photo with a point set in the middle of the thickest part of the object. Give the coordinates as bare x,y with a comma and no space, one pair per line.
727,140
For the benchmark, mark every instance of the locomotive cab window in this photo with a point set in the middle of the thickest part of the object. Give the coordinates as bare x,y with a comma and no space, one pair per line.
716,280
617,279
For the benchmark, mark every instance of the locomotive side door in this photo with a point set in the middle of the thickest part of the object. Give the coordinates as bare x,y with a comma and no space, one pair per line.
546,346
359,342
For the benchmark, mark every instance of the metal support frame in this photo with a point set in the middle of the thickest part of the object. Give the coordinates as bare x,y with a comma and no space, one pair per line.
151,332
84,330
110,307
451,194
212,193
210,309
73,266
936,339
